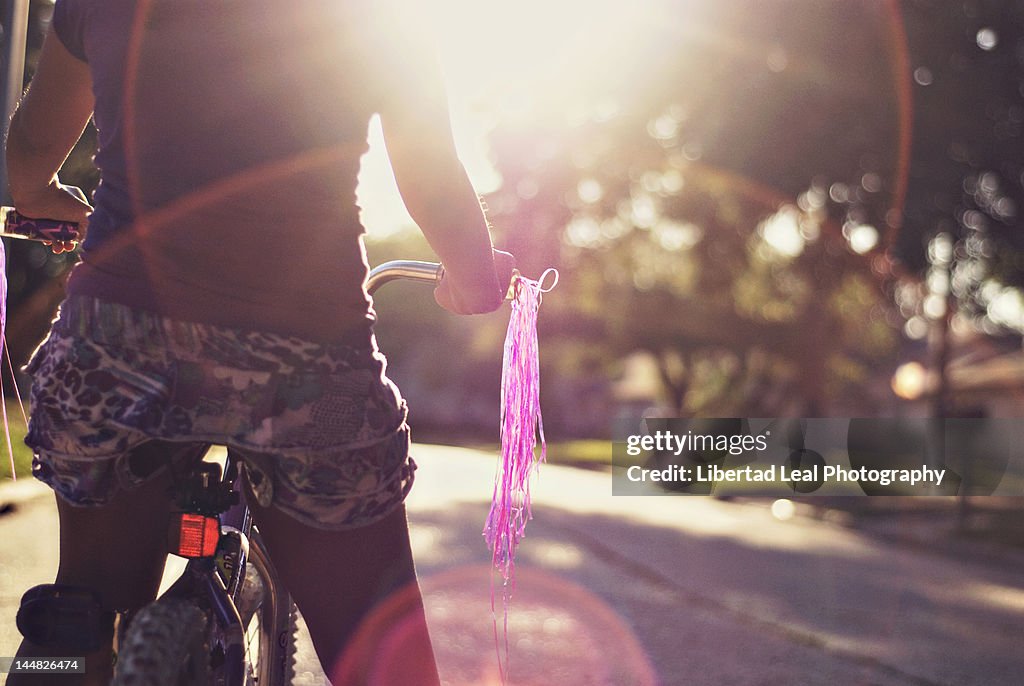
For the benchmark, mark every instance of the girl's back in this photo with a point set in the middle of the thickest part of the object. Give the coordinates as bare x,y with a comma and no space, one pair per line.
230,139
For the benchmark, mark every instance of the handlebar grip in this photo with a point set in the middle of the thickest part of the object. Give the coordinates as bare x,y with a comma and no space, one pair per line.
17,225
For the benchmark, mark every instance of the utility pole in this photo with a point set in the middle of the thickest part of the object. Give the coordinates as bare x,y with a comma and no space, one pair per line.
15,35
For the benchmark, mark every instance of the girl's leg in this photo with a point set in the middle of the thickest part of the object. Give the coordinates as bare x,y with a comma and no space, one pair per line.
117,550
357,591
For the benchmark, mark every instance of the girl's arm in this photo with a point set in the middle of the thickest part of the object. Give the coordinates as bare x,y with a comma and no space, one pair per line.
48,122
435,188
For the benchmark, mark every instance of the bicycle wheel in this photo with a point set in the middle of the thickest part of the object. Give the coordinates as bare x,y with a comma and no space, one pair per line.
166,645
268,620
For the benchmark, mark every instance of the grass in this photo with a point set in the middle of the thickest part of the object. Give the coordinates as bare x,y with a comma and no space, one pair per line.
22,455
588,453
581,453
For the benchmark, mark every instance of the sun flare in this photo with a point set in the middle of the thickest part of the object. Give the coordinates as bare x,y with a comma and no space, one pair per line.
502,61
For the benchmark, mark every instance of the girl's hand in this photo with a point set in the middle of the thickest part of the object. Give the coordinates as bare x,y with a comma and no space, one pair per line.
477,298
60,202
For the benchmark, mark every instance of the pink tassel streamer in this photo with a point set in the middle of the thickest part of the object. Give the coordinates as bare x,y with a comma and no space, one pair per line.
521,426
3,347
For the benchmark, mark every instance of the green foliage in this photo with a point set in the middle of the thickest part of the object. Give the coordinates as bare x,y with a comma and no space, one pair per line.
704,205
580,453
22,455
966,177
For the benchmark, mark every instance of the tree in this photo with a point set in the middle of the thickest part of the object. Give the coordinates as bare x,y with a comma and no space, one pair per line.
966,178
721,203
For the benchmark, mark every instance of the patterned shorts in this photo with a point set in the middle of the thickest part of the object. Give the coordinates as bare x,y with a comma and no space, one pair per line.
319,428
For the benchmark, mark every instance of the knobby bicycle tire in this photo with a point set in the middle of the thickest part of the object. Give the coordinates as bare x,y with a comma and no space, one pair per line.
166,645
274,662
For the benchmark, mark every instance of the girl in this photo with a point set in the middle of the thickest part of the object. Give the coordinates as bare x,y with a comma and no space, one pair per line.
219,298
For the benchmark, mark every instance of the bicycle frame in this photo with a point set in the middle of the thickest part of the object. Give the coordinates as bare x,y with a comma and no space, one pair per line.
216,581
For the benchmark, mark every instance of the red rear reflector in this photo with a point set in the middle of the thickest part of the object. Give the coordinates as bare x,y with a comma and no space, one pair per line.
198,535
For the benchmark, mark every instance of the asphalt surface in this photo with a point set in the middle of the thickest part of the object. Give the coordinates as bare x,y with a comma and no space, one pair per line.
663,589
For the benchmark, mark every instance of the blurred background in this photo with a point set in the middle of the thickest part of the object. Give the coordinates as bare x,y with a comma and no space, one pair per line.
780,208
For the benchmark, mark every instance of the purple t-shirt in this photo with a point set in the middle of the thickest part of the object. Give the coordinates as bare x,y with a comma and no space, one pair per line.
230,133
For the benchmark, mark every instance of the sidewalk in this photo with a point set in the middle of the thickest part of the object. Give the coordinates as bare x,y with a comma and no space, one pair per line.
665,590
989,530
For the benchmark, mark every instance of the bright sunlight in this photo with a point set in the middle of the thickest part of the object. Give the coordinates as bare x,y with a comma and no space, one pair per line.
503,61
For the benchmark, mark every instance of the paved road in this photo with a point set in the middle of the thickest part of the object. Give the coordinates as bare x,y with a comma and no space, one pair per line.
665,590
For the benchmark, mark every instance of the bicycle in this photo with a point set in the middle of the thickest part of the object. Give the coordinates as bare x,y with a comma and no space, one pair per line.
227,620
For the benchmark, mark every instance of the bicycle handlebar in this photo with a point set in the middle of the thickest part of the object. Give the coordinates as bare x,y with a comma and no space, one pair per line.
417,270
413,270
17,225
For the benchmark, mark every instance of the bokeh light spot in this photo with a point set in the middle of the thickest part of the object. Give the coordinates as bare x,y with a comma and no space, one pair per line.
916,328
910,380
863,238
783,509
782,233
589,191
987,39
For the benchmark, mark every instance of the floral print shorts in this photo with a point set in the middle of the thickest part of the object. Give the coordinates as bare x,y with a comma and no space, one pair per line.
319,428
